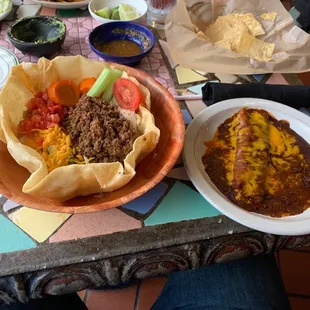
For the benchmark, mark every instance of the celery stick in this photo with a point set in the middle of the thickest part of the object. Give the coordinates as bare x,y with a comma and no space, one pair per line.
108,94
101,83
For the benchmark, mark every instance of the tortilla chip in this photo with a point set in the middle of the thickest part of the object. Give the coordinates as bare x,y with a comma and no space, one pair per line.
237,33
269,16
254,26
66,182
255,48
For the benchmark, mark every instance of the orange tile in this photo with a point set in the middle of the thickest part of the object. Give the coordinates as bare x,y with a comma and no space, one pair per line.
287,4
305,249
82,294
299,303
48,12
149,291
305,78
276,257
295,267
119,299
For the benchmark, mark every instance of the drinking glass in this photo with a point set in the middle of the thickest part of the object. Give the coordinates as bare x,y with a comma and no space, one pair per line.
158,11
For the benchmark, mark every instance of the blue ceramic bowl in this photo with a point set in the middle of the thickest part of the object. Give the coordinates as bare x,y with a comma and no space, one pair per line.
122,31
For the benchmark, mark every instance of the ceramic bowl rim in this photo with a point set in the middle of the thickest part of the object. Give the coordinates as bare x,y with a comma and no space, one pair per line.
106,20
112,58
11,37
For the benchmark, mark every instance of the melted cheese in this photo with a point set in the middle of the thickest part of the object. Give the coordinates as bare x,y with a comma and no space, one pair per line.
257,162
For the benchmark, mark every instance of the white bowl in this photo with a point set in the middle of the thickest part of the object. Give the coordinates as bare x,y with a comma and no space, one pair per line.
95,5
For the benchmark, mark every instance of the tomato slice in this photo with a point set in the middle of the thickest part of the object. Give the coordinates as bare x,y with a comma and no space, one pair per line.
127,94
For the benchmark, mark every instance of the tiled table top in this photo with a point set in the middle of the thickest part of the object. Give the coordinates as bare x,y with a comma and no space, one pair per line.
170,201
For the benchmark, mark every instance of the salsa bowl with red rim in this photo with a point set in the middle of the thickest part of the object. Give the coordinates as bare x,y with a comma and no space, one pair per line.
168,118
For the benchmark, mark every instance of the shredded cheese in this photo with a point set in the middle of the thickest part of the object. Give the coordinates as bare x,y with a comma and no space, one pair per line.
56,148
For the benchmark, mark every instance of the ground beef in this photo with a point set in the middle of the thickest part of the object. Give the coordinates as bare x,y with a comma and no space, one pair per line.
99,131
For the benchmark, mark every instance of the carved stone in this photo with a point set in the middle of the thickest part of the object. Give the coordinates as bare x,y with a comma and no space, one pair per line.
122,257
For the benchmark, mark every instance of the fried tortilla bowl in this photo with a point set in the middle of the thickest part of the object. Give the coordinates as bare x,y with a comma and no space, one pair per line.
145,166
203,128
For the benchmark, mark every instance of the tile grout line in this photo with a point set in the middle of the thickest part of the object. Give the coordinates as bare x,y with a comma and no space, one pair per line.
136,305
86,297
279,263
297,250
301,296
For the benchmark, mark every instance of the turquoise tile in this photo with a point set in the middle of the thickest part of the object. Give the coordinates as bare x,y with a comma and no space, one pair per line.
181,203
12,238
197,88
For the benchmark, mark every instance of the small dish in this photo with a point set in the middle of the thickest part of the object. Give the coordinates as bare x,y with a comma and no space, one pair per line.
122,31
96,5
37,35
7,11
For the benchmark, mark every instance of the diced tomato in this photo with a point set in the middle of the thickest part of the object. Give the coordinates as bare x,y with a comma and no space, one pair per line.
56,108
50,103
32,104
42,113
25,126
45,96
127,94
39,95
38,140
55,118
36,118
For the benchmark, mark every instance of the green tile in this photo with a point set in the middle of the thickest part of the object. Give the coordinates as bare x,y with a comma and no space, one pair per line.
181,203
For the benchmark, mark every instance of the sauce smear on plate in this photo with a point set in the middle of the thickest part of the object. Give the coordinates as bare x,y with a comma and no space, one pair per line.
122,48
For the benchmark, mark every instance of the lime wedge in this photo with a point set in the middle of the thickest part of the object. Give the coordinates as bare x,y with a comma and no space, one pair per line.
115,13
127,12
5,5
104,13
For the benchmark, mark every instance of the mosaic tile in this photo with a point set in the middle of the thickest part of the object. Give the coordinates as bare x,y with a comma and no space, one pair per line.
47,11
18,240
195,106
178,173
149,292
146,202
258,77
277,78
185,75
38,224
27,10
9,205
187,117
197,88
181,203
95,224
116,299
226,78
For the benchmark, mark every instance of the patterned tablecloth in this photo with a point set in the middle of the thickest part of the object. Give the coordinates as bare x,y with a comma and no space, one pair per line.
171,201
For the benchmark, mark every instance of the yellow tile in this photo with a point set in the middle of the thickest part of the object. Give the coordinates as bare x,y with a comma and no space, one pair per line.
38,224
188,76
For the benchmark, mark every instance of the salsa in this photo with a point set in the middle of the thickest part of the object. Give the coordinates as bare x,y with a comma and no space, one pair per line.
122,48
